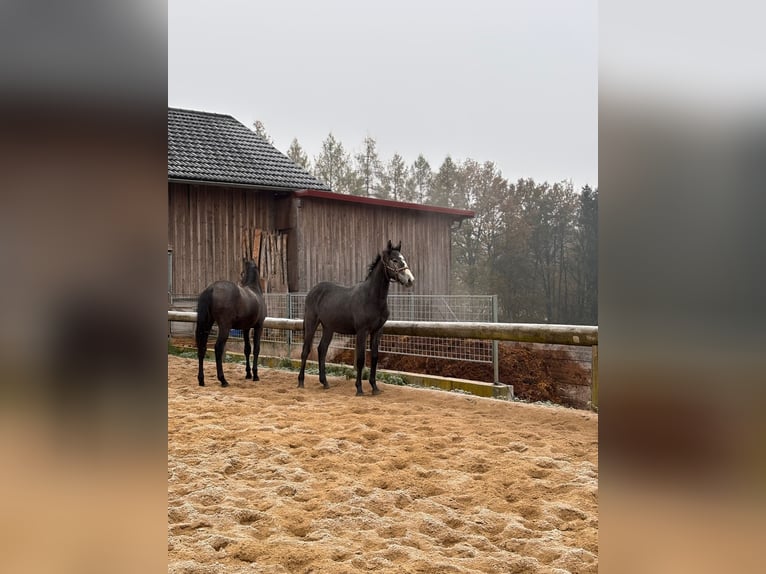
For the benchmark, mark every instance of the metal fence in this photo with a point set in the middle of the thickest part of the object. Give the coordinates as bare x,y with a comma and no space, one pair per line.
445,308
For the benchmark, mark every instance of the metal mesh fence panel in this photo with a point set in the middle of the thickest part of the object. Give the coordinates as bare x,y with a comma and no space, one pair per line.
401,308
412,308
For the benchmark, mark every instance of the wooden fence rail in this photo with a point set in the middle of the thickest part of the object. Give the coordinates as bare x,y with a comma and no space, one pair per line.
577,335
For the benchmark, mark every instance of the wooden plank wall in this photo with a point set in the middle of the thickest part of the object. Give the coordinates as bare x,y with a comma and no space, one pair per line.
337,242
320,240
205,226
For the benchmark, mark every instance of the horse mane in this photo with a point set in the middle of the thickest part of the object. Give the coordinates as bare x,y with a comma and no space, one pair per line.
371,268
251,274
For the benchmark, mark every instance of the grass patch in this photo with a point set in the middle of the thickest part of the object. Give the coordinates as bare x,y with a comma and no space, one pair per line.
179,352
346,371
394,380
333,371
187,353
286,364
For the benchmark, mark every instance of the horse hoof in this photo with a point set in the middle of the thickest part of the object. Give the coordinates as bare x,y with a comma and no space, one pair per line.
326,386
201,384
300,385
359,394
376,391
256,378
224,384
248,376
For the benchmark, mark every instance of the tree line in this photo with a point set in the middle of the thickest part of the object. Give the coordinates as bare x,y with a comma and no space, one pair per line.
533,244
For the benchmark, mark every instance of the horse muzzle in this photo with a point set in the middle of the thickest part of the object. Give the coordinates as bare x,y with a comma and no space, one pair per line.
406,278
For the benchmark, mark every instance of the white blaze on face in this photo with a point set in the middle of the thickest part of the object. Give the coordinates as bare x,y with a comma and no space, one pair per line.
406,277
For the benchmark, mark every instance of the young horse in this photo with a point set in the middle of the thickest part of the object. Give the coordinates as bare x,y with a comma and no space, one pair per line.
359,310
232,306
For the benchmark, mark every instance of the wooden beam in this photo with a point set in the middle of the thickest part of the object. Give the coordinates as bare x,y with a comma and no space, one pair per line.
594,378
577,335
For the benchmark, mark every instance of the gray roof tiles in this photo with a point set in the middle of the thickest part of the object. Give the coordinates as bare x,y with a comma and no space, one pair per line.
209,147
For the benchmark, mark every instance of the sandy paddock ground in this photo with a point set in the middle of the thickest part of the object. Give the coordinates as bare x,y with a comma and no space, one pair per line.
265,477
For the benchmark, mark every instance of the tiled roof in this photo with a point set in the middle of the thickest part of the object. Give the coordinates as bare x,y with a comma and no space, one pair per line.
209,147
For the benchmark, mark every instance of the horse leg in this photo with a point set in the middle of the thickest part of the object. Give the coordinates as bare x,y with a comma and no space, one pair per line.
361,339
220,345
246,336
203,331
324,344
309,328
257,331
374,342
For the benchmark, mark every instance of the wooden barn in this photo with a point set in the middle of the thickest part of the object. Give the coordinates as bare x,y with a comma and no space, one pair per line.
231,193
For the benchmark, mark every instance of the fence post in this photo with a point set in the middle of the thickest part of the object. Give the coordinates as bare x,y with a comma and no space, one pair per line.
289,313
170,288
594,378
495,358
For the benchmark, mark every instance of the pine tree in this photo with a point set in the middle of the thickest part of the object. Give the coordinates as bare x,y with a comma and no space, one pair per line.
298,156
421,177
444,187
587,256
368,167
394,179
332,165
260,130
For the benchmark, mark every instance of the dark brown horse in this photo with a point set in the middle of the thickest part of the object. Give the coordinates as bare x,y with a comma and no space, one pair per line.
360,310
231,306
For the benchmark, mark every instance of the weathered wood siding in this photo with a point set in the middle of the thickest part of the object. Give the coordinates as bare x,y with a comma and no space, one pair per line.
326,240
337,241
205,225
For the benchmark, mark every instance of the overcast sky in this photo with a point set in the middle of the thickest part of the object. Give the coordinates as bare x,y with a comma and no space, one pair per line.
510,81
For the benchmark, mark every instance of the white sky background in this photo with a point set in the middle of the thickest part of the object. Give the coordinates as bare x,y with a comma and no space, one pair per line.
514,81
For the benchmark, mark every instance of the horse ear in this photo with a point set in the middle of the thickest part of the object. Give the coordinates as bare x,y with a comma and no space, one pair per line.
390,246
398,247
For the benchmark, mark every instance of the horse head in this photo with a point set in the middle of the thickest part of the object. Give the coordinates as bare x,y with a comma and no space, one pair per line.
396,265
251,275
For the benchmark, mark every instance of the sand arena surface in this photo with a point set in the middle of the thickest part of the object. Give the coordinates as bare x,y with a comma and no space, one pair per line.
264,477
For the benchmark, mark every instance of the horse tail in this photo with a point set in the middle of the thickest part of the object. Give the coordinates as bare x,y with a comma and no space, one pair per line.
204,316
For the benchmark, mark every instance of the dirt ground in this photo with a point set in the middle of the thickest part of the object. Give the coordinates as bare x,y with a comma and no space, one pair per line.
264,477
553,373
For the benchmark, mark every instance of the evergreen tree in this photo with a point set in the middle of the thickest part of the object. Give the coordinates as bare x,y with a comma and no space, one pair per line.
421,177
299,156
332,165
394,180
445,182
587,256
351,183
368,168
260,130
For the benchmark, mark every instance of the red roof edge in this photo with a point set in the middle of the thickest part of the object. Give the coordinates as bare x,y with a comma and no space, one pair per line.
455,213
